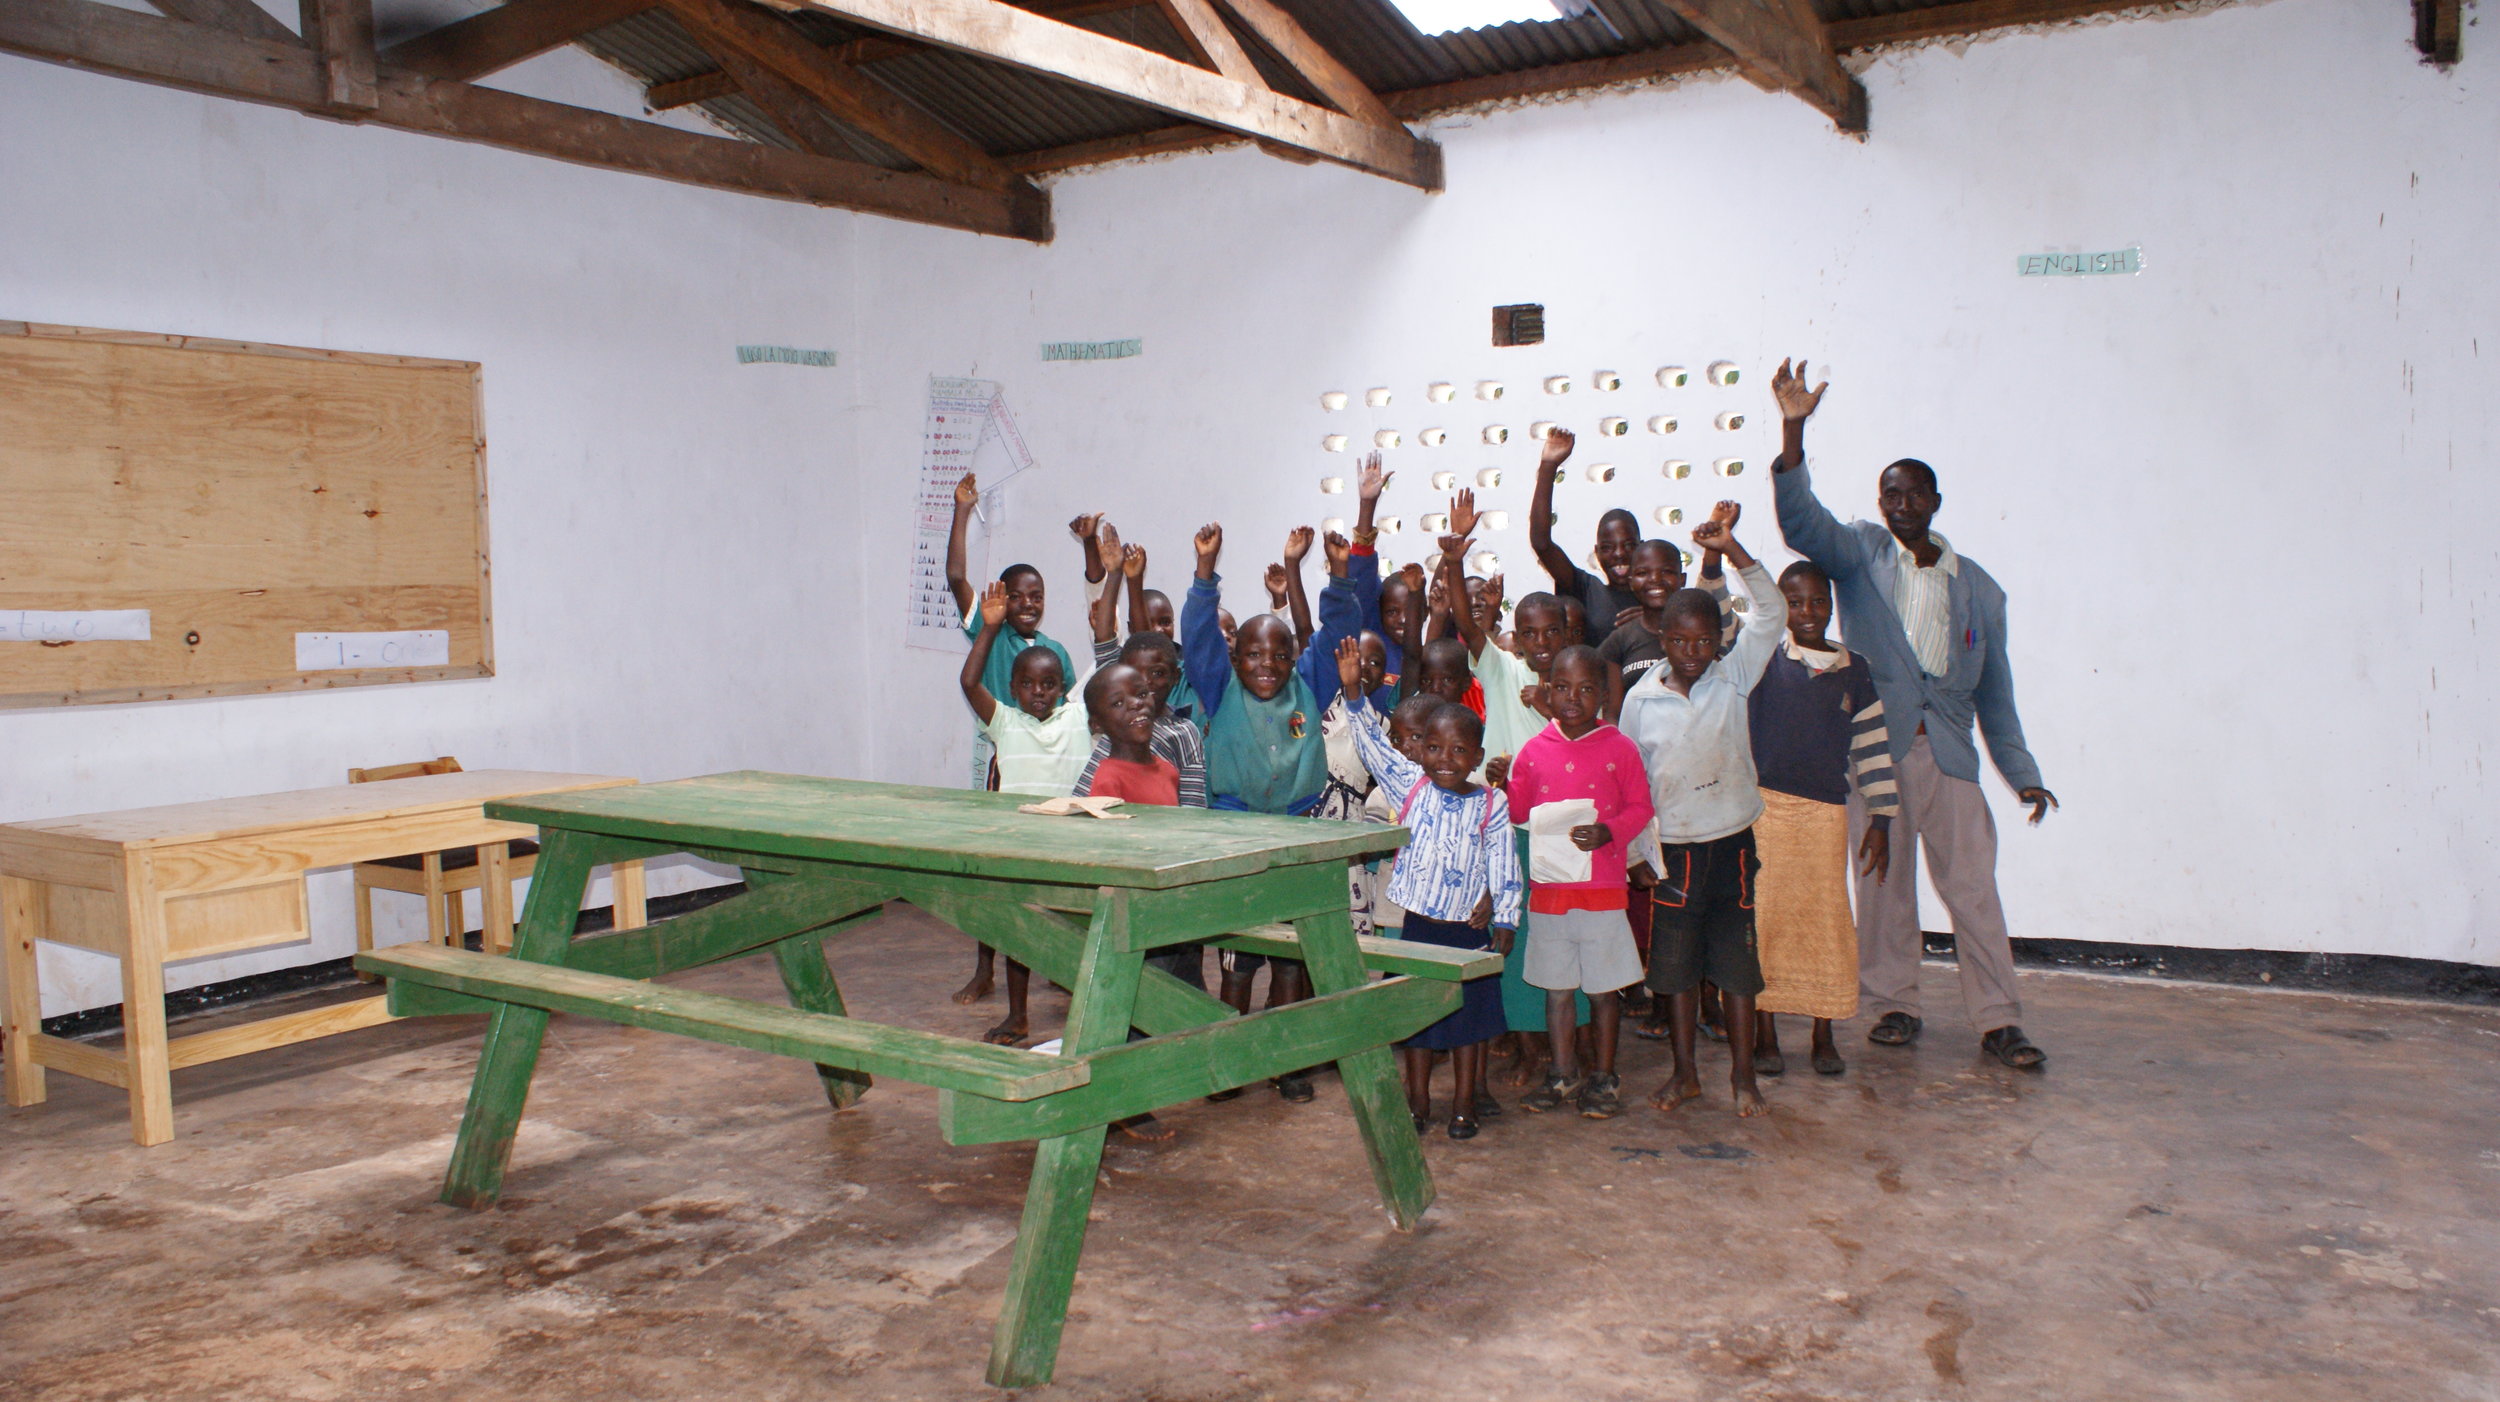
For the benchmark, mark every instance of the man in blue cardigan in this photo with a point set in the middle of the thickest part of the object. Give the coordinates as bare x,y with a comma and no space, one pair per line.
1931,626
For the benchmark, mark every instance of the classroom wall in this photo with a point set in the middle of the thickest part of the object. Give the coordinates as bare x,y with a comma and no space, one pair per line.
673,563
2241,502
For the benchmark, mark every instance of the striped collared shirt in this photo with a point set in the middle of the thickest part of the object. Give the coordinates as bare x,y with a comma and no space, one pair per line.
1924,599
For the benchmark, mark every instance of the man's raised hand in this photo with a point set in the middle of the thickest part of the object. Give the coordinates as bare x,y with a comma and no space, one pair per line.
1797,403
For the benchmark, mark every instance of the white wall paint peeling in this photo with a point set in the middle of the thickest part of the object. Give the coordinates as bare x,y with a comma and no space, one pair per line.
2237,500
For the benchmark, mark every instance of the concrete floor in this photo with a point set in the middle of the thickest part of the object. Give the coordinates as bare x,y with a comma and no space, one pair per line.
2213,1193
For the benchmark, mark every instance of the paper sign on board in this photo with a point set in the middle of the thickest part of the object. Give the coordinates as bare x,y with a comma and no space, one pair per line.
74,626
336,652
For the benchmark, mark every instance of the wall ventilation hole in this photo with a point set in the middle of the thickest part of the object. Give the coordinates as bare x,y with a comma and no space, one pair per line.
1377,396
1486,563
1434,523
1730,420
1334,525
1441,392
1488,390
1613,428
1723,373
1662,423
1496,520
1333,400
1331,486
1670,515
1433,437
1495,435
1607,381
1389,525
1540,428
1489,477
1445,481
1674,377
1334,442
1558,384
1386,438
1729,467
1676,469
1521,324
1601,472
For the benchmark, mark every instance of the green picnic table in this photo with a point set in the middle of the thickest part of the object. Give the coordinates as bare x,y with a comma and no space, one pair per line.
1080,900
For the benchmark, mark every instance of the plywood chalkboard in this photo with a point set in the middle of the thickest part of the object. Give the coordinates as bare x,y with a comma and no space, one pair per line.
240,494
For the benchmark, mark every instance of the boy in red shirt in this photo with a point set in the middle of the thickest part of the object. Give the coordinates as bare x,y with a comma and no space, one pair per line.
1120,704
1576,889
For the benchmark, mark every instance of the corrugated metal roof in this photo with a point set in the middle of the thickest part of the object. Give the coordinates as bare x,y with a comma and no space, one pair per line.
1009,111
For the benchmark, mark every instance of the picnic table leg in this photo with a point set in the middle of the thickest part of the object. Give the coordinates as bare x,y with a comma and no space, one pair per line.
810,983
509,1056
1370,1077
1025,1348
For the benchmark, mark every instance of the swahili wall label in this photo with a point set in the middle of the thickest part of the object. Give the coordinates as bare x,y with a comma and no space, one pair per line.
336,652
783,355
1093,350
2123,260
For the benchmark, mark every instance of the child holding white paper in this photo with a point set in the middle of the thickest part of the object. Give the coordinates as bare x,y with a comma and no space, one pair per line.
1581,789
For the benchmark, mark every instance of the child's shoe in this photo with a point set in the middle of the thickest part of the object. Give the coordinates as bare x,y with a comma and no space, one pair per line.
1550,1095
1295,1087
1601,1096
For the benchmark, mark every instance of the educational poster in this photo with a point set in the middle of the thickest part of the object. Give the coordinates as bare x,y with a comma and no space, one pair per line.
968,429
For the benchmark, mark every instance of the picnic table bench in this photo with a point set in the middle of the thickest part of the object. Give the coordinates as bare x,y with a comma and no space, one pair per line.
1081,901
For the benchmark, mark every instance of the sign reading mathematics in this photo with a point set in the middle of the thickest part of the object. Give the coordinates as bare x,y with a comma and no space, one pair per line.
2124,260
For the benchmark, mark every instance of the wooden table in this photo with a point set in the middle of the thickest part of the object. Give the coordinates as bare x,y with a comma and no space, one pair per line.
1081,901
152,885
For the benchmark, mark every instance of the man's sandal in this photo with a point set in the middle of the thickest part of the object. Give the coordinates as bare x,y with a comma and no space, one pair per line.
1894,1030
2009,1045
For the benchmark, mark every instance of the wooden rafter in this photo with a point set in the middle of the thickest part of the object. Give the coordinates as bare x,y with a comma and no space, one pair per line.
1780,46
769,40
495,39
340,34
685,92
241,16
1970,17
1022,39
1333,79
798,116
1204,31
107,39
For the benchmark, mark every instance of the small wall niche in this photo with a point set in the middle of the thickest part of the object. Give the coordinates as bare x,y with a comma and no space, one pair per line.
1520,324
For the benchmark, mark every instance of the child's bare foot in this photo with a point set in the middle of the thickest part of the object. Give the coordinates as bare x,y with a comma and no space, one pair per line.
1676,1092
976,989
1749,1102
1010,1033
1145,1127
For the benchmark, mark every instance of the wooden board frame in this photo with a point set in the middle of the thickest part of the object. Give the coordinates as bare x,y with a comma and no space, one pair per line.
169,631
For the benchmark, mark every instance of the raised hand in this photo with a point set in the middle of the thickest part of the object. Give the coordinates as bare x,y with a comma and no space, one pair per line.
1797,403
1350,665
1107,547
1558,445
1712,534
1275,580
967,491
1133,561
1339,551
1538,698
1297,545
2041,801
1210,546
1083,527
1727,512
1493,596
1463,512
994,604
1413,573
1374,481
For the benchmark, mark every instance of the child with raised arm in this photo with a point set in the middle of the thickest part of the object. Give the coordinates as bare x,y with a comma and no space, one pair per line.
1158,659
1040,743
1457,879
1818,735
1264,752
1579,788
1689,717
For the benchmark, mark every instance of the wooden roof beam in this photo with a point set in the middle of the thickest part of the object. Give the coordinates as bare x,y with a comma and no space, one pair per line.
107,39
496,39
241,16
1780,46
1320,68
989,29
771,41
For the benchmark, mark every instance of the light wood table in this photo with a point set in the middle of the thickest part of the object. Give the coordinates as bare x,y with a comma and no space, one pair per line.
152,885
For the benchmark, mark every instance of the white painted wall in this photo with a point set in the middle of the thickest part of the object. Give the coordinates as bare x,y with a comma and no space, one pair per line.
671,548
2238,501
2241,503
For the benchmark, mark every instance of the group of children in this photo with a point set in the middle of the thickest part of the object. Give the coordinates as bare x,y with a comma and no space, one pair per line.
1639,794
